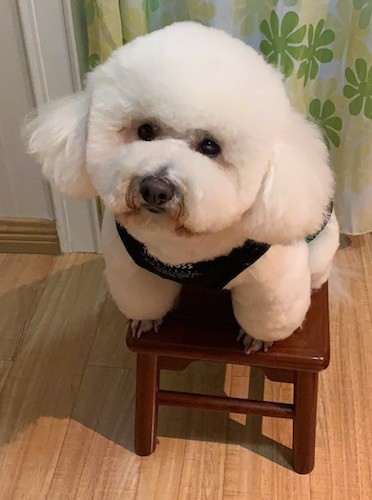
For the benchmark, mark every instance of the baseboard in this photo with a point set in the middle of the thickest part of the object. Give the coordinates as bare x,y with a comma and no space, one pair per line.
28,236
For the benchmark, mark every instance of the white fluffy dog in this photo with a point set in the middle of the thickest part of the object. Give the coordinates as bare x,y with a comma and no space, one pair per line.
208,175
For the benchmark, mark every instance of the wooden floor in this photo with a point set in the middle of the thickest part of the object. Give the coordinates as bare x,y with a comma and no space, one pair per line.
67,400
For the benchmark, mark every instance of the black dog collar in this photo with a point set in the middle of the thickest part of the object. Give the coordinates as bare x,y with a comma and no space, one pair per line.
212,274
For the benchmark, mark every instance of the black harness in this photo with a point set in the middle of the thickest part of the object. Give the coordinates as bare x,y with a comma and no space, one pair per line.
212,274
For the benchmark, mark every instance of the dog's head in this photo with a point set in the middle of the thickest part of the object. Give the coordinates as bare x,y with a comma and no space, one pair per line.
188,129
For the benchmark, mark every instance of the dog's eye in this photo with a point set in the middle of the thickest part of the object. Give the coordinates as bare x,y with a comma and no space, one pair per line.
146,132
209,148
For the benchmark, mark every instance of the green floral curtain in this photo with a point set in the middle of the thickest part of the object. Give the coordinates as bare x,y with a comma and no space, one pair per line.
324,48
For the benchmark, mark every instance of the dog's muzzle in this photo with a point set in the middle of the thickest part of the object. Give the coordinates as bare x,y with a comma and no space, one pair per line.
156,192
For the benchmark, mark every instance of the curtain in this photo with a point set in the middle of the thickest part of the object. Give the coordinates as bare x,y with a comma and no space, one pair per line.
323,47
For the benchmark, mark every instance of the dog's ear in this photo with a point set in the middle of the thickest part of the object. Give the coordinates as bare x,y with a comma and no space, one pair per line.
297,189
56,137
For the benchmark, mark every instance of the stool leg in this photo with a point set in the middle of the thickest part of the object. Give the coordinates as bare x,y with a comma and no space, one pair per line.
304,424
146,404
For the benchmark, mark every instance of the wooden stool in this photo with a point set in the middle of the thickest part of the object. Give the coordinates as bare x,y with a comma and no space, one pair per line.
203,328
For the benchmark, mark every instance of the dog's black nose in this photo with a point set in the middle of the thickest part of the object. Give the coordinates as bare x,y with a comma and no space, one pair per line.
156,191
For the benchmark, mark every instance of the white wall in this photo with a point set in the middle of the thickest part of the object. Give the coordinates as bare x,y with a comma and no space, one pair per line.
23,193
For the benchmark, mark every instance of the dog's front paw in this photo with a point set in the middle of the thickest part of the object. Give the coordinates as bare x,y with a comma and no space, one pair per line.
253,345
139,327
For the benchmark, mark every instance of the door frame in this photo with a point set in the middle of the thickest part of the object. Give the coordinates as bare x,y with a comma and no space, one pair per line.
54,71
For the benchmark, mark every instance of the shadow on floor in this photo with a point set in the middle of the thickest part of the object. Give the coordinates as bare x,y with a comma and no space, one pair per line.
51,375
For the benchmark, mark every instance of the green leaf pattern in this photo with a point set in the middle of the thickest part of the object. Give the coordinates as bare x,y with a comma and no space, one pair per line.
359,88
316,51
283,40
247,14
323,48
365,7
324,115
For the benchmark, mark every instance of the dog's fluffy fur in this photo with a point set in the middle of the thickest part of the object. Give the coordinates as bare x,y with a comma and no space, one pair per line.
271,182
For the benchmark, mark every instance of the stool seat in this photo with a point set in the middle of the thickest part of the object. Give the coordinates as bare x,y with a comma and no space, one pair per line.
203,327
